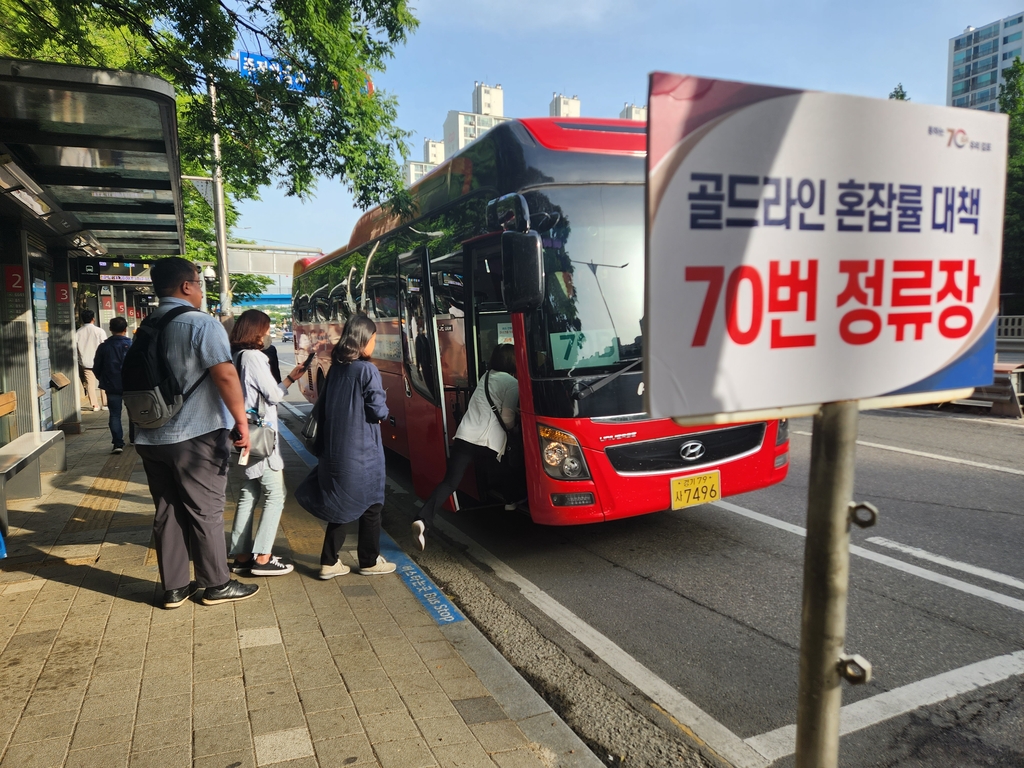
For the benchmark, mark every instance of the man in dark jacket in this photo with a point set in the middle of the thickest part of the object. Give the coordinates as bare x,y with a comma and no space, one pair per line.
109,359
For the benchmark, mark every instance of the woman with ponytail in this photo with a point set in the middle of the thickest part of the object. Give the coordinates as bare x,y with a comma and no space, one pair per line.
348,483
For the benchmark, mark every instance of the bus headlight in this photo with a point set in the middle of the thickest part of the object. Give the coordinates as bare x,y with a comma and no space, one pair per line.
561,455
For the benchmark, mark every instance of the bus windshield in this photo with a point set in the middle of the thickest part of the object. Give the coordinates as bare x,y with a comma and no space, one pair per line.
590,321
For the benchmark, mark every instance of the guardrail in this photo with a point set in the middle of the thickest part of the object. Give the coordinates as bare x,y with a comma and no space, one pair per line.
1010,327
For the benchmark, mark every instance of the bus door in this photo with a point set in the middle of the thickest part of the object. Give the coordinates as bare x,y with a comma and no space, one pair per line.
448,303
424,407
490,325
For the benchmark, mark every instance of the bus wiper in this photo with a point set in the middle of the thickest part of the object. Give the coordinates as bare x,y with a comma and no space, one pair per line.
579,394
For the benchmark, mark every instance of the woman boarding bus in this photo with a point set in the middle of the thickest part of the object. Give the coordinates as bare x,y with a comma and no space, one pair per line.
532,235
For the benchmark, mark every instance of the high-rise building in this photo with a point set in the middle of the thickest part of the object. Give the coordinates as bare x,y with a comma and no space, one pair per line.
977,58
564,106
433,151
633,112
433,155
460,128
488,100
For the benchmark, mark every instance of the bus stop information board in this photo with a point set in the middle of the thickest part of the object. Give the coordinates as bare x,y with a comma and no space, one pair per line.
807,247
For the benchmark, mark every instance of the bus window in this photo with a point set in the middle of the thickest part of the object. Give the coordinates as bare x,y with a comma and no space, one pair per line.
419,353
493,323
446,277
320,305
383,297
336,304
487,277
450,326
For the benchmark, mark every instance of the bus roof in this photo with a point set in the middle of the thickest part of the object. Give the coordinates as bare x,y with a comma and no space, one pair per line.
505,158
587,134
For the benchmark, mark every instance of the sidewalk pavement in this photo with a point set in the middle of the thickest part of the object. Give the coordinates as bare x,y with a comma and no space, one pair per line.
354,671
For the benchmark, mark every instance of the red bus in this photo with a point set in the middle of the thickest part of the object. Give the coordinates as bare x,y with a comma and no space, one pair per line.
534,235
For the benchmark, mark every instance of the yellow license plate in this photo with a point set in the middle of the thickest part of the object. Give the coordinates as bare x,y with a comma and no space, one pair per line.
696,489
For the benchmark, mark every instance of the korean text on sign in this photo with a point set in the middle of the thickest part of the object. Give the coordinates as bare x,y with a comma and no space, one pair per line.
806,247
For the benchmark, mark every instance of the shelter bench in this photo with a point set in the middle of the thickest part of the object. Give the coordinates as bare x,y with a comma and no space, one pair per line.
22,462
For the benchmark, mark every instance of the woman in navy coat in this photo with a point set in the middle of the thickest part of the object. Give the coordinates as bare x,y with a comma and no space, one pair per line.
348,483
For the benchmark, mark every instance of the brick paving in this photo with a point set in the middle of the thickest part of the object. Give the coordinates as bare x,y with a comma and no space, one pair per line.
347,672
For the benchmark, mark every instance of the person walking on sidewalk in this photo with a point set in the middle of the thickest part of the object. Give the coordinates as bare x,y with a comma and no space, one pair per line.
186,460
264,478
107,365
479,433
348,483
87,340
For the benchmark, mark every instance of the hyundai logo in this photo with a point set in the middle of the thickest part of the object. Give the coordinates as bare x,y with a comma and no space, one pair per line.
692,450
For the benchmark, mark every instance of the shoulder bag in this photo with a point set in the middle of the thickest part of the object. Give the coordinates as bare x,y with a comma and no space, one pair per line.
311,431
513,435
262,438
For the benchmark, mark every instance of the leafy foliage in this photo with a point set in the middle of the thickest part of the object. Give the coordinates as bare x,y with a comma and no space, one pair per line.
1011,102
898,94
336,128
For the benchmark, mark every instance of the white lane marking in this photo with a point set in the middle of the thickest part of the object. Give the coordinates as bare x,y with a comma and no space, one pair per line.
294,411
922,554
899,701
951,459
892,562
710,731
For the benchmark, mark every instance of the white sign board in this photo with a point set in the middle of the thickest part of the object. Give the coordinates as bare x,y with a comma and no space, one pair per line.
807,247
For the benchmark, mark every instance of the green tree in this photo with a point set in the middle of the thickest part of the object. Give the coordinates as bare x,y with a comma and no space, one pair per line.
1011,103
338,127
898,94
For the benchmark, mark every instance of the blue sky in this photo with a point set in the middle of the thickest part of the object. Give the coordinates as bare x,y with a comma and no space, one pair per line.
602,51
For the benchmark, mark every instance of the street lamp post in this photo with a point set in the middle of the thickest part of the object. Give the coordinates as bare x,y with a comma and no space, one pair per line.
218,208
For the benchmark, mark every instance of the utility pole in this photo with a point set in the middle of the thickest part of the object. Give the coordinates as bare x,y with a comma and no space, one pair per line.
218,208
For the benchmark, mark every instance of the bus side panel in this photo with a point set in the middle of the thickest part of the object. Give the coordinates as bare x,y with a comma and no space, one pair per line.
426,454
394,431
387,356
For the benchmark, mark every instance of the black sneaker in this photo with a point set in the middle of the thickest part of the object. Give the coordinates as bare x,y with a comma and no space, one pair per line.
118,449
273,567
229,593
240,566
173,598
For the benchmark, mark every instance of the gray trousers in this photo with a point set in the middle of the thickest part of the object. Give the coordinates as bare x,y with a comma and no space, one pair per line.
188,482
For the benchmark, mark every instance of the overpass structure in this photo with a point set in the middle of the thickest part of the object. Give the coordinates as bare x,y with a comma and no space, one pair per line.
272,260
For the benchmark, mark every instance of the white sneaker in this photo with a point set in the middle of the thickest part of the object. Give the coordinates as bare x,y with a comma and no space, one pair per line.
418,531
381,566
330,571
104,408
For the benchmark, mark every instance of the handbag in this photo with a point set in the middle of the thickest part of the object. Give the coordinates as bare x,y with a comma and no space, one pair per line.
262,438
311,432
311,429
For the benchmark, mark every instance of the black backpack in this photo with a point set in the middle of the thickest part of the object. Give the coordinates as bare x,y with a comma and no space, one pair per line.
152,395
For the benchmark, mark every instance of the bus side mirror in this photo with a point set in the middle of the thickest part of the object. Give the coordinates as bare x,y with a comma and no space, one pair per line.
522,269
509,213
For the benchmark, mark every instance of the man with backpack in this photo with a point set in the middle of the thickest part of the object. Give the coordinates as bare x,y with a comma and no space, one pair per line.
182,391
107,366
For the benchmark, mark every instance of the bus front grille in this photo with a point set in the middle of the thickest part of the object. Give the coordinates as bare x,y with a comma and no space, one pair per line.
701,448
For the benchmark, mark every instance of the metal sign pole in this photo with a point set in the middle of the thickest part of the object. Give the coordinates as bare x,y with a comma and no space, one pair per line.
218,210
826,578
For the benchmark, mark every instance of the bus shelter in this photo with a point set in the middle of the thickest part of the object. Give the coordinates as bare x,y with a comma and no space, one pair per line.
89,196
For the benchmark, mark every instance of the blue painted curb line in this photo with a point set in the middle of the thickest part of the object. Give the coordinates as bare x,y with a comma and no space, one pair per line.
432,598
